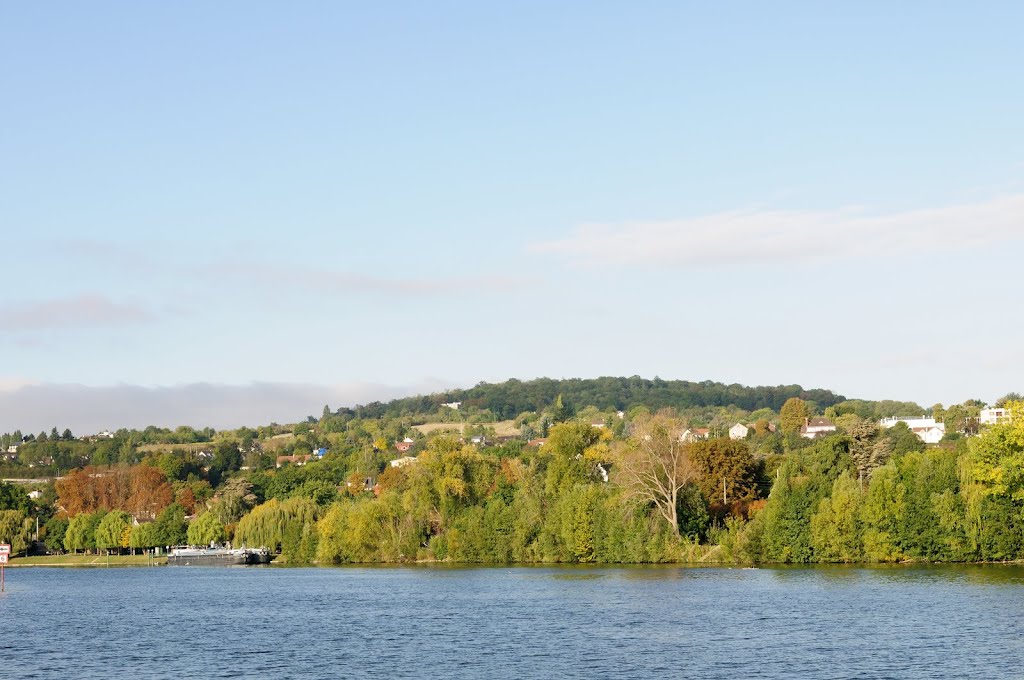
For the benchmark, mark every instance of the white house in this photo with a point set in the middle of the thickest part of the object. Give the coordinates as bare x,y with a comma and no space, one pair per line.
403,461
454,405
993,416
738,431
13,448
816,427
926,428
693,434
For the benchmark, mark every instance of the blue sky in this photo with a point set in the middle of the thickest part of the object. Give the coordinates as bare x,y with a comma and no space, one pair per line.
336,201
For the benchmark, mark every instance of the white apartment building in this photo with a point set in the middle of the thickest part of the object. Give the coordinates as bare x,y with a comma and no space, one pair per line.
925,427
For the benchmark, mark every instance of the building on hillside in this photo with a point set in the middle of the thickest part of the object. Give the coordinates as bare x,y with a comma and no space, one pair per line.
404,445
926,428
738,431
454,405
537,443
599,424
13,448
816,427
403,461
993,416
693,434
320,452
294,460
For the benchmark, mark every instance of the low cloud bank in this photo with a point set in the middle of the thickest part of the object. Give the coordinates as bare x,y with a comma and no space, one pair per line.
86,410
767,236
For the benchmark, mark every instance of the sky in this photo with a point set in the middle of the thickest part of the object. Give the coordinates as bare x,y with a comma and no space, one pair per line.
233,213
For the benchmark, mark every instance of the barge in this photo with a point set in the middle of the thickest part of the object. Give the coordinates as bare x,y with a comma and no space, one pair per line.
217,556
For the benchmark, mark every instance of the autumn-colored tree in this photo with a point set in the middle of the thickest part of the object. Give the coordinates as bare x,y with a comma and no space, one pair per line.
140,490
654,464
149,492
727,470
793,414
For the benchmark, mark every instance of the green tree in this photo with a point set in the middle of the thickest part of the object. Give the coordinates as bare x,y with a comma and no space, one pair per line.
15,529
793,414
836,526
143,536
54,531
206,529
881,515
114,530
170,527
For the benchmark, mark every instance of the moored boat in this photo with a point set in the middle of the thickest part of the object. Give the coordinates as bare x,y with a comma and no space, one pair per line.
217,556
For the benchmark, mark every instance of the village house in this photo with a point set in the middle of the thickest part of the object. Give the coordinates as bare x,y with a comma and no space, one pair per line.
927,429
403,461
816,427
738,431
693,434
454,405
537,443
404,445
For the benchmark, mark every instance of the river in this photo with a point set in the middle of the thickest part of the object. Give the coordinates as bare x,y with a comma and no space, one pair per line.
498,622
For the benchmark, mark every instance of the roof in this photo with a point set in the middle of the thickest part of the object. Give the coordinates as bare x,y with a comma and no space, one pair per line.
819,422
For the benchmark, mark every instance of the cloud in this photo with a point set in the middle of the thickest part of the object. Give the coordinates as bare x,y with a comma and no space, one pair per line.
763,236
82,311
340,281
86,409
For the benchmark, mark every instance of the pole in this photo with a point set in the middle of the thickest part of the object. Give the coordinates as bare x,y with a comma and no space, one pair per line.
2,573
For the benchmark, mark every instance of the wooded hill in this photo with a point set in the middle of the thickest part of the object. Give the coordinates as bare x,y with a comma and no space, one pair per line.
509,399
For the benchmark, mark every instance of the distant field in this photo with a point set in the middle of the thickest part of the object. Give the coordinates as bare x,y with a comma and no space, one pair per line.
86,561
198,446
504,428
278,441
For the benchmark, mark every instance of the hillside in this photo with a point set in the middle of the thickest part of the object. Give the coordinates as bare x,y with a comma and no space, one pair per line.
509,399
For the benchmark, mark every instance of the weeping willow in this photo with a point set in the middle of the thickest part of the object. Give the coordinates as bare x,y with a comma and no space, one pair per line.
269,525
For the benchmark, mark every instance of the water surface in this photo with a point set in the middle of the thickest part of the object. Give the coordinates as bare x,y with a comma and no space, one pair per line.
428,622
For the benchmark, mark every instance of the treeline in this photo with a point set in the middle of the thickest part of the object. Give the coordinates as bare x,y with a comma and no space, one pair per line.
833,503
628,490
509,399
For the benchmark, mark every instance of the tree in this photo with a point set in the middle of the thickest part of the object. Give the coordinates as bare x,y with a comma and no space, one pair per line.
15,529
234,500
143,536
654,464
114,530
13,497
866,455
836,526
206,529
170,527
793,414
67,436
54,532
81,532
725,466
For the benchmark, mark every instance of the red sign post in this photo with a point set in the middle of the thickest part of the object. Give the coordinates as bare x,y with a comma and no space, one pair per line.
5,553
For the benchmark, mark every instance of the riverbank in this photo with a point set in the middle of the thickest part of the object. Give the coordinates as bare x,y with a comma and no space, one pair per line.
88,561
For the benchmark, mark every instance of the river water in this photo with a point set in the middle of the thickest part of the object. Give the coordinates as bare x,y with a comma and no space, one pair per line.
430,622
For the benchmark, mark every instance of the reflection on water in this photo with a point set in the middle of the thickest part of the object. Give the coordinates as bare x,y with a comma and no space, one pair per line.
540,621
